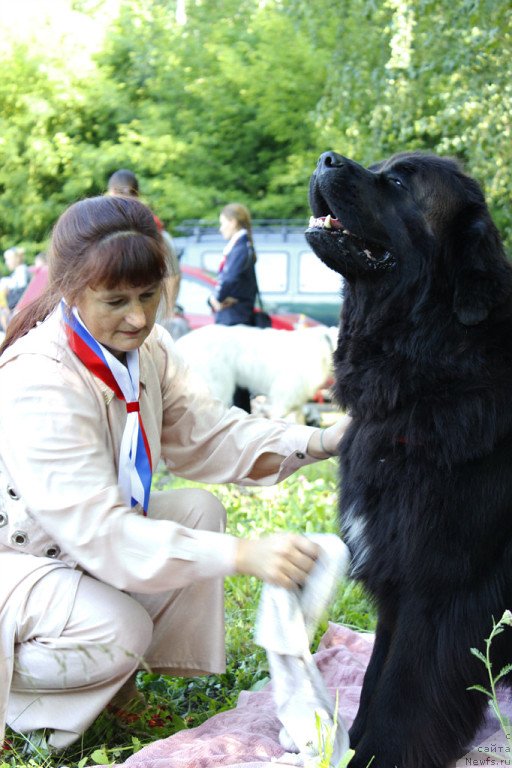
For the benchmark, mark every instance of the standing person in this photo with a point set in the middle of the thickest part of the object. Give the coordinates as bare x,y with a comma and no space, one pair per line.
96,572
124,183
237,287
13,285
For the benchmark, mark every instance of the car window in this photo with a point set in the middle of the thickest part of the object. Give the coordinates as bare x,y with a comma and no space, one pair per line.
193,296
210,260
314,276
272,269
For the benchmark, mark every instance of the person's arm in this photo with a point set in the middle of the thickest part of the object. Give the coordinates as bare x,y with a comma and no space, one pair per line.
204,440
173,280
322,444
216,306
56,445
234,274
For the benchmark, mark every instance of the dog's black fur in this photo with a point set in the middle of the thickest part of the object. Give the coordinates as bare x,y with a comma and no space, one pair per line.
424,366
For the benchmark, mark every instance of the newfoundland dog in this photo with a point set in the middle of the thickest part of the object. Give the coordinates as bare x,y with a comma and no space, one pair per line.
424,366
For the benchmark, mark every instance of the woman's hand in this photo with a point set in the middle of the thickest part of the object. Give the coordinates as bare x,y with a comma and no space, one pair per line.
218,305
283,559
229,301
324,442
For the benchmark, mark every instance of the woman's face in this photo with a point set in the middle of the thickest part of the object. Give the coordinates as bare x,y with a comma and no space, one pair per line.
120,318
228,227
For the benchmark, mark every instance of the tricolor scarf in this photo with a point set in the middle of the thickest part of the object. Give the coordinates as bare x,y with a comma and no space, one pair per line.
135,457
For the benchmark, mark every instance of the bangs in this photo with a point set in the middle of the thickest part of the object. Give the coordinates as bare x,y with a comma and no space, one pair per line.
126,258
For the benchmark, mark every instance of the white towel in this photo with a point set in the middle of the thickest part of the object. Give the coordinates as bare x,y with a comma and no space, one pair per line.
285,626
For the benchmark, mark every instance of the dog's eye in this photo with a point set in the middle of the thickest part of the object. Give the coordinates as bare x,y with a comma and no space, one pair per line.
398,182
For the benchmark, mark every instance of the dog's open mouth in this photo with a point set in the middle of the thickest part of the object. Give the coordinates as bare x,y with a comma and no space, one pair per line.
376,256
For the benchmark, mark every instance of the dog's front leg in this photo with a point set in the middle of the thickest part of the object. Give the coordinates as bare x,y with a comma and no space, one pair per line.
421,714
371,678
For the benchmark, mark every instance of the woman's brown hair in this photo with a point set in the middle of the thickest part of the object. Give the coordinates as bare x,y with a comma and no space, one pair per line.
240,214
107,241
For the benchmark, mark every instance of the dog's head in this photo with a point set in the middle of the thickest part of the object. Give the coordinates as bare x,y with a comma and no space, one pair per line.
415,219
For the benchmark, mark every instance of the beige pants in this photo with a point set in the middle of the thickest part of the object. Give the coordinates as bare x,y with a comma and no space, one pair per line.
70,661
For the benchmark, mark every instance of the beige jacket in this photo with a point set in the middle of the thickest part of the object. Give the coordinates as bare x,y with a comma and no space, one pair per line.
60,505
60,434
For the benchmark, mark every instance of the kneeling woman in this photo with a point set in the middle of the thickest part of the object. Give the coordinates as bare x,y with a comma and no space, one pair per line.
96,575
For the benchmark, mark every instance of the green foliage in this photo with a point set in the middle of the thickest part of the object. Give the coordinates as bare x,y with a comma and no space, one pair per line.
434,80
238,102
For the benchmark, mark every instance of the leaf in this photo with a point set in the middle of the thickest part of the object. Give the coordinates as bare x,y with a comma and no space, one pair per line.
503,672
100,757
479,655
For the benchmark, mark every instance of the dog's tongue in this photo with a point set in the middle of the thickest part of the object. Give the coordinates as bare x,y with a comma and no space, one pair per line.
325,222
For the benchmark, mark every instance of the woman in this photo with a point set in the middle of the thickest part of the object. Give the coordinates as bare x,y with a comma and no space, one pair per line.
237,288
96,574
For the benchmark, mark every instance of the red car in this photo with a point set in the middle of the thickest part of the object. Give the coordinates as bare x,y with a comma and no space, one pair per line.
197,285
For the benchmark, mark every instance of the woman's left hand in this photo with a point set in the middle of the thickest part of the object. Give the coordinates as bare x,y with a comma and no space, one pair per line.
218,305
323,443
229,301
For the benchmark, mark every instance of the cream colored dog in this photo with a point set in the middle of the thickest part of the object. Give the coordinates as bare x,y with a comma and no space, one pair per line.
287,367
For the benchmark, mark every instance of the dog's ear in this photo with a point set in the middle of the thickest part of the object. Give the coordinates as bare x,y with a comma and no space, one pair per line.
483,279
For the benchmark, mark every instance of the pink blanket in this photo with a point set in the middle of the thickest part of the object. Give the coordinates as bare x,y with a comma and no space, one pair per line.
247,736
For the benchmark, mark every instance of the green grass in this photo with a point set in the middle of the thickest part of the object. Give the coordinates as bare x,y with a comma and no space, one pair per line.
305,502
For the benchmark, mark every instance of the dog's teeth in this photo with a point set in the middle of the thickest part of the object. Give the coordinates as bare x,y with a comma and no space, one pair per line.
346,232
312,221
327,222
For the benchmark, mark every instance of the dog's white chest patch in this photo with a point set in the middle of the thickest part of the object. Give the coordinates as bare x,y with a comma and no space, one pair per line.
354,535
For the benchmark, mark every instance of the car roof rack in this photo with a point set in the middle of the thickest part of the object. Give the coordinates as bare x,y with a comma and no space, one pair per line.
198,228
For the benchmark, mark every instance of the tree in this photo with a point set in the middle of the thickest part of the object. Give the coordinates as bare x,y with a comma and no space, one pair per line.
218,95
434,79
238,102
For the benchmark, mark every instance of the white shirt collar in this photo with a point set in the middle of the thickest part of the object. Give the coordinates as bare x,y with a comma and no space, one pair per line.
238,234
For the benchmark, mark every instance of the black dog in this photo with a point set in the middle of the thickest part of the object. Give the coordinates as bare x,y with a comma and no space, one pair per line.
424,366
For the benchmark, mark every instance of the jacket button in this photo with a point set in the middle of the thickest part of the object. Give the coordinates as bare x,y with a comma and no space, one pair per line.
52,551
300,455
12,493
19,538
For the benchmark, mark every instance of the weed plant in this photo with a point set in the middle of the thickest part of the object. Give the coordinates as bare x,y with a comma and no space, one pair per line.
305,502
495,677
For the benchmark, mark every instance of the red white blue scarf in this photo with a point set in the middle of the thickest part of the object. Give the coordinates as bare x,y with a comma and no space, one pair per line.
135,469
